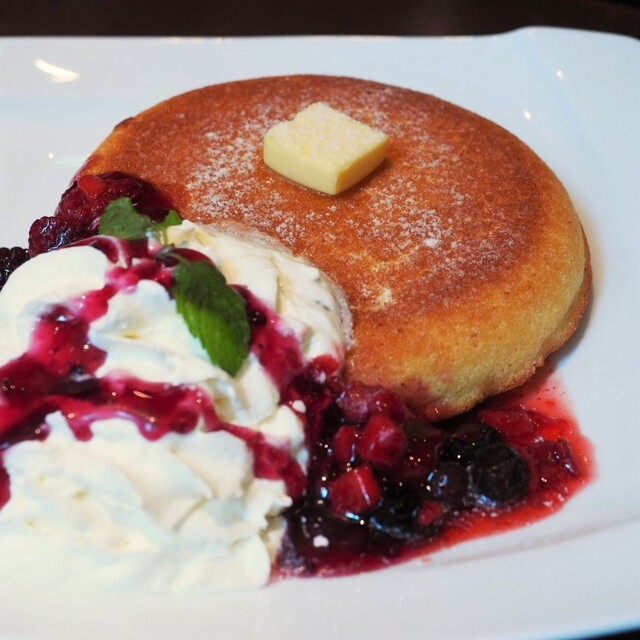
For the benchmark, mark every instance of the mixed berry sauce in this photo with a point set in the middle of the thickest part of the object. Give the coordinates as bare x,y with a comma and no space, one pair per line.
383,485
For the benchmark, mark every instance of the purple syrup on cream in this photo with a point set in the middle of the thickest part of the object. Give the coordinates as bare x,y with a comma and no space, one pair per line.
58,373
381,485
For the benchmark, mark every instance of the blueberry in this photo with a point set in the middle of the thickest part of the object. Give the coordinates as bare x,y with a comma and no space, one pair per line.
499,474
397,515
462,446
448,482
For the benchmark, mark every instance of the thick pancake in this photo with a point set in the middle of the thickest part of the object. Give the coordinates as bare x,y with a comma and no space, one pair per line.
462,257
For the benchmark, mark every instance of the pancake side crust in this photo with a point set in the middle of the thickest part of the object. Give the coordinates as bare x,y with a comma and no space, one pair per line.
462,258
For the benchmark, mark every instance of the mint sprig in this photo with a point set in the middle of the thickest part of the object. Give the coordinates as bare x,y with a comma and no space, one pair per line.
121,219
213,311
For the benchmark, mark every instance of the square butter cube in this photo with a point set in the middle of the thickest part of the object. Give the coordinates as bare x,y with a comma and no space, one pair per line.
324,149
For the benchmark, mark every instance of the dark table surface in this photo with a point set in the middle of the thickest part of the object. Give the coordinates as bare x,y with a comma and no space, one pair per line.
306,17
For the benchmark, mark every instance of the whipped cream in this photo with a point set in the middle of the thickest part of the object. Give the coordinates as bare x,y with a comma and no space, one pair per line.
183,512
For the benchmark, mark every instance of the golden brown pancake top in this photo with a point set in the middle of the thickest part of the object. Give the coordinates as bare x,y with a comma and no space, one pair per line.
461,221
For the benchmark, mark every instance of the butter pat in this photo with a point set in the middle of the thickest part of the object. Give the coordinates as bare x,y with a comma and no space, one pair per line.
324,149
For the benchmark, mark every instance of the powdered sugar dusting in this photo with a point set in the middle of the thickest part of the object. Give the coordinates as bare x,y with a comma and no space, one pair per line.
436,208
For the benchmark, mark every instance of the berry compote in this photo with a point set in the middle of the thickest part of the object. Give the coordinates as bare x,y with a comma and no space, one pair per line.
382,484
385,486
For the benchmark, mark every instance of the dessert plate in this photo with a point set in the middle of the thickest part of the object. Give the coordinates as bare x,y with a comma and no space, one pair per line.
574,97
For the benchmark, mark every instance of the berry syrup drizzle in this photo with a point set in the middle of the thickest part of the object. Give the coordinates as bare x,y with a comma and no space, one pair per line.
382,485
59,373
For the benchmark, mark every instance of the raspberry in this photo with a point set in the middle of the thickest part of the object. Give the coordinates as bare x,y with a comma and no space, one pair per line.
358,402
418,461
383,442
355,492
49,233
555,462
511,423
86,199
430,513
344,443
81,205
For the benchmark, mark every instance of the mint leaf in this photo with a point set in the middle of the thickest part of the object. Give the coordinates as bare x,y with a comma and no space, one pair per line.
213,311
172,218
121,219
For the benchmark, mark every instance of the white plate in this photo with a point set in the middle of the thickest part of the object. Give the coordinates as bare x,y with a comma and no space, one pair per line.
572,96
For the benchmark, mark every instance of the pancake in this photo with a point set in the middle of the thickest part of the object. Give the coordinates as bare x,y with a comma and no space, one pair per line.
461,257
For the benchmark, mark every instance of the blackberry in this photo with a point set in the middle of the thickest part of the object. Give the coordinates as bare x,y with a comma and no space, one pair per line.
10,260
